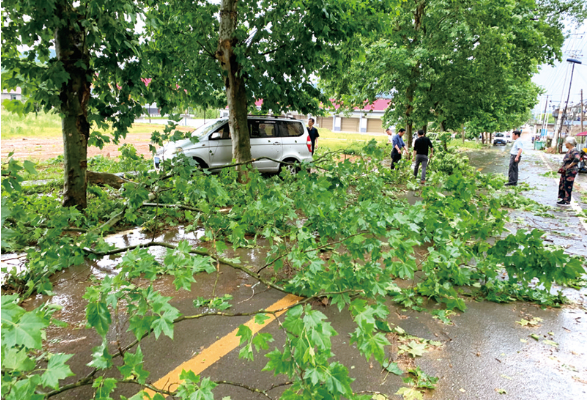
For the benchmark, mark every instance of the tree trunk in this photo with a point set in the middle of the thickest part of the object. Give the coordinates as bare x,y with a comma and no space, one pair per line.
234,85
462,134
408,113
483,134
74,95
418,16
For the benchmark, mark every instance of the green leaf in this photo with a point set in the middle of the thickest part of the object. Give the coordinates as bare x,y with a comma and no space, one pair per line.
394,368
104,387
17,359
413,348
133,366
409,393
11,312
56,370
261,318
98,317
101,358
245,333
29,167
261,340
27,332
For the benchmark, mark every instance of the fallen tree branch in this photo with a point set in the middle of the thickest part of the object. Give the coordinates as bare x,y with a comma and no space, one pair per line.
242,314
241,385
180,206
263,158
200,251
44,226
89,381
309,250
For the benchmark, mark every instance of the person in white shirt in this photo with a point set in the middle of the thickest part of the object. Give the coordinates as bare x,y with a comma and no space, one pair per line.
389,133
515,158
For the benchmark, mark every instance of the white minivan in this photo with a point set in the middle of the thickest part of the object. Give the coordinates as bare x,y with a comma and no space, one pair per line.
281,139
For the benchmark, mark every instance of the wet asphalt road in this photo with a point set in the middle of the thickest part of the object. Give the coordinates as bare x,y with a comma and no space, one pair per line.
484,350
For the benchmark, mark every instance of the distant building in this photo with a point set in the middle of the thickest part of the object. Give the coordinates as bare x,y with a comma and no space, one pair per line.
366,119
12,95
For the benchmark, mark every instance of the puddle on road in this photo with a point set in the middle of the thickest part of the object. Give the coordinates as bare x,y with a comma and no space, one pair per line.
69,285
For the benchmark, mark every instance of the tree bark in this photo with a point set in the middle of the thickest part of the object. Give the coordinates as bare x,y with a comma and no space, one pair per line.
234,85
409,107
74,94
418,16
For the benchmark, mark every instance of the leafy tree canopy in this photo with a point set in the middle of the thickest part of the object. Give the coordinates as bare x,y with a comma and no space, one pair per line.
446,61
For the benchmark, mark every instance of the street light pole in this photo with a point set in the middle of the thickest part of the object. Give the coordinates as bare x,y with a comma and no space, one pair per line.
581,110
556,138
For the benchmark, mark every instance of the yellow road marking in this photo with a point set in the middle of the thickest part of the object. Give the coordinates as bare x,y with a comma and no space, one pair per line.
220,348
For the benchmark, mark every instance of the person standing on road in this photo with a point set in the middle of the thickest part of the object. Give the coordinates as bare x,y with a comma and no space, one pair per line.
389,133
313,133
515,158
421,154
397,146
568,171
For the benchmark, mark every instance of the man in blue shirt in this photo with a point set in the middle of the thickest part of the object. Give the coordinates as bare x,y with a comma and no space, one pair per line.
397,147
515,158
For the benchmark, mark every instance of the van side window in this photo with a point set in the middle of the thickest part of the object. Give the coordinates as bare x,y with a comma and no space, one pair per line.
221,133
291,129
261,129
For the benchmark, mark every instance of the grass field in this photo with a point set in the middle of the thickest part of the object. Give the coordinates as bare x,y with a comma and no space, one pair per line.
468,144
40,125
48,126
332,141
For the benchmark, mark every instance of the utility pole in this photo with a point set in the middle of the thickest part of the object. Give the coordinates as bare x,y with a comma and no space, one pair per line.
556,137
545,119
574,62
560,114
581,110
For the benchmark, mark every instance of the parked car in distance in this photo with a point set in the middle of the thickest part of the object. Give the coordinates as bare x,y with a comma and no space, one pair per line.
499,138
508,137
281,139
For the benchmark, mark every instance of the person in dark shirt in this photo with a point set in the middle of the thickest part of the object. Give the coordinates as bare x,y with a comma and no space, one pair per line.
421,154
397,148
313,133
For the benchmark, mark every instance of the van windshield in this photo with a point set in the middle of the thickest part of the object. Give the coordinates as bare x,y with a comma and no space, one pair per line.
207,128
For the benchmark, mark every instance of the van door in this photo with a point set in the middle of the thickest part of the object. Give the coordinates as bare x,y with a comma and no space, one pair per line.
294,141
265,142
221,149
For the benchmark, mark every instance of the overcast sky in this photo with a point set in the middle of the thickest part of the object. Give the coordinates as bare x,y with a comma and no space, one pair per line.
557,78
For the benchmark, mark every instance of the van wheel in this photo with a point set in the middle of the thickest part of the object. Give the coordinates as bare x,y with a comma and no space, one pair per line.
199,163
292,169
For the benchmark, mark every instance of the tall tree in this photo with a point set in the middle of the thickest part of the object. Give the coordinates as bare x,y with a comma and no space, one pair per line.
237,52
93,78
444,61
